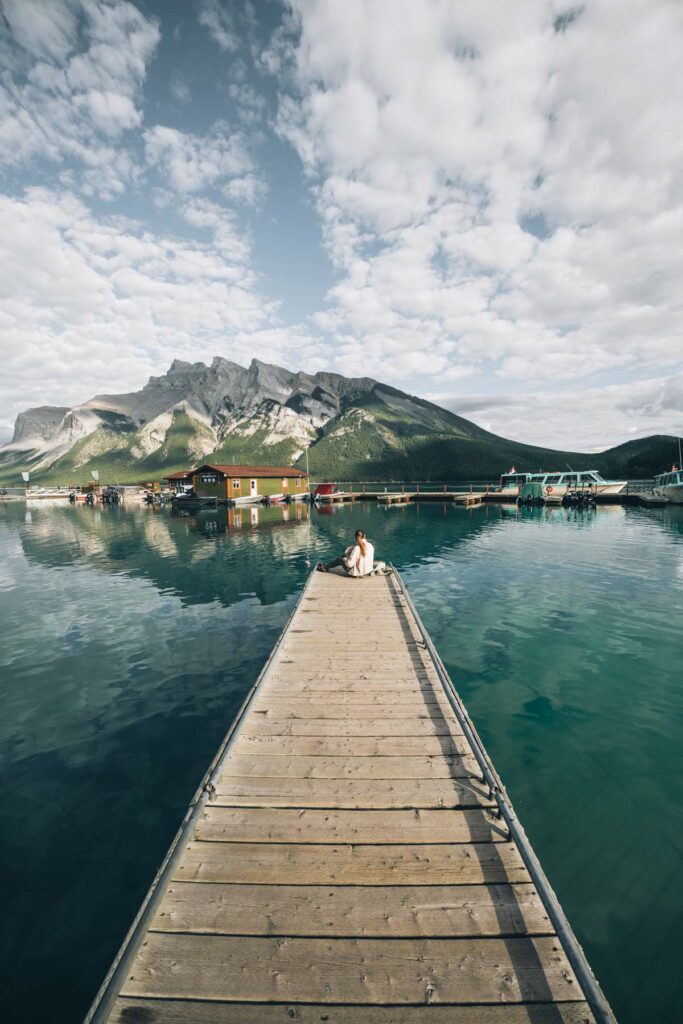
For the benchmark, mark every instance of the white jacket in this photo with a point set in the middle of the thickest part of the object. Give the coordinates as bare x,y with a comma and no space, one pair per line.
358,564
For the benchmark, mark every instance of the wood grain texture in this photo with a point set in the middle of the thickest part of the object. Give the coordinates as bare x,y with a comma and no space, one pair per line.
267,725
353,911
351,746
350,793
131,1010
285,825
351,681
399,971
308,767
312,864
319,708
273,695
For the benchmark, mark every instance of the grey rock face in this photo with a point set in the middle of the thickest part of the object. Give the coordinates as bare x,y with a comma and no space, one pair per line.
225,391
42,422
222,394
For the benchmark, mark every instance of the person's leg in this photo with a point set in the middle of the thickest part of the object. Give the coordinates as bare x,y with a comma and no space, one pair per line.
326,566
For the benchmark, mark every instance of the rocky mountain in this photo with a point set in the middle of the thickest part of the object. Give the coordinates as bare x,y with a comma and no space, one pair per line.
353,428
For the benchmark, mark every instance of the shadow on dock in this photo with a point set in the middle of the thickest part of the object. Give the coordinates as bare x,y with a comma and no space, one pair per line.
537,996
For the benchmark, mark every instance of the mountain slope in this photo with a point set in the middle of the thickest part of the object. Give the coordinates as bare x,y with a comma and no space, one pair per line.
352,428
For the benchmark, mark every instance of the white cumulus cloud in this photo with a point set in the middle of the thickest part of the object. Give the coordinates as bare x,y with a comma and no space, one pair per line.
91,304
193,162
80,88
500,185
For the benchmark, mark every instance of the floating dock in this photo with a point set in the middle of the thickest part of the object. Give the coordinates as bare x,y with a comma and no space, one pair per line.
404,497
351,856
474,498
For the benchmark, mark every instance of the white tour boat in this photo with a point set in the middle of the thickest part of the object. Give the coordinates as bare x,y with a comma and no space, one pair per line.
669,486
556,485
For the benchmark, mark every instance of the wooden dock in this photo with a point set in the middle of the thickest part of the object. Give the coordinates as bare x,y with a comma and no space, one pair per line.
343,861
466,498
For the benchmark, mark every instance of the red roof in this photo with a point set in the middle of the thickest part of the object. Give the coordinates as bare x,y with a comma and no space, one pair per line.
182,475
255,471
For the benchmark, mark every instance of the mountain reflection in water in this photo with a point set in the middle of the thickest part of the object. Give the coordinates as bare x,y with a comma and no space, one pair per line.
130,636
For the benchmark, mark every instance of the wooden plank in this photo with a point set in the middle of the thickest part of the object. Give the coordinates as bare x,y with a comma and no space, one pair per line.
377,658
132,1010
331,709
351,746
323,614
351,682
288,864
360,634
301,767
273,695
350,793
323,665
260,725
313,669
355,626
353,911
287,825
400,971
344,645
385,657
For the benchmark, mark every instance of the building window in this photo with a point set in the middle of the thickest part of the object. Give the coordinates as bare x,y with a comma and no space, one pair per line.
235,485
209,478
285,483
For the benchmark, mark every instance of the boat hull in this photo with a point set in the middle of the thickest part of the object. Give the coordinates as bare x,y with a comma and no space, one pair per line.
253,499
673,493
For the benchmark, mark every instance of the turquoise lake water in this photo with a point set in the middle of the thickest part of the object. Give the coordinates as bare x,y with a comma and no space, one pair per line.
130,636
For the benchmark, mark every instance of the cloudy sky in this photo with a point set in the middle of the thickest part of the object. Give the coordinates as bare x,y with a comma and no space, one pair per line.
478,201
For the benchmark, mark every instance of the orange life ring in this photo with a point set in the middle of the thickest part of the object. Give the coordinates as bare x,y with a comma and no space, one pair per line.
548,490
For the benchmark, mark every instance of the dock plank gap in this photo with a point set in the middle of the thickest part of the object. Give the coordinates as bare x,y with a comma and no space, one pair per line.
351,855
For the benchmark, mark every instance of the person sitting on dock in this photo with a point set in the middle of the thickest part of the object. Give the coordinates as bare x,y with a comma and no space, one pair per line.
357,560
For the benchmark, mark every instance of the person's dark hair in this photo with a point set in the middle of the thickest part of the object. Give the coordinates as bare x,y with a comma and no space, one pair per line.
360,538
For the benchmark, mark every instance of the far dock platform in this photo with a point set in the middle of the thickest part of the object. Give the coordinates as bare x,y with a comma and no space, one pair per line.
351,856
473,498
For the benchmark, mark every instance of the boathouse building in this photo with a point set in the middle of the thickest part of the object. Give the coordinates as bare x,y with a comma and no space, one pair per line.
178,481
225,482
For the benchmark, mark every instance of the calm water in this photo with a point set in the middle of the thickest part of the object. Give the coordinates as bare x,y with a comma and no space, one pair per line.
130,636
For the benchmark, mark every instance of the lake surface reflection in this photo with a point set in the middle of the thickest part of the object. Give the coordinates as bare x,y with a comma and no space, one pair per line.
130,636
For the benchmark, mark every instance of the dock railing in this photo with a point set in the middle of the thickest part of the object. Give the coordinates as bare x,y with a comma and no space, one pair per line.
638,486
577,958
360,487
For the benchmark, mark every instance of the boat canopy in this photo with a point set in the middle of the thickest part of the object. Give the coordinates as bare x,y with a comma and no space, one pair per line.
532,490
669,479
513,479
569,479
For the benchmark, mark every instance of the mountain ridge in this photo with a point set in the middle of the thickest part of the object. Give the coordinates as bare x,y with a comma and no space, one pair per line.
352,428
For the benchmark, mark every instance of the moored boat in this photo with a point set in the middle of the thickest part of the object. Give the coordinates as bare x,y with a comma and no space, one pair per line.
669,486
556,485
42,493
325,492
